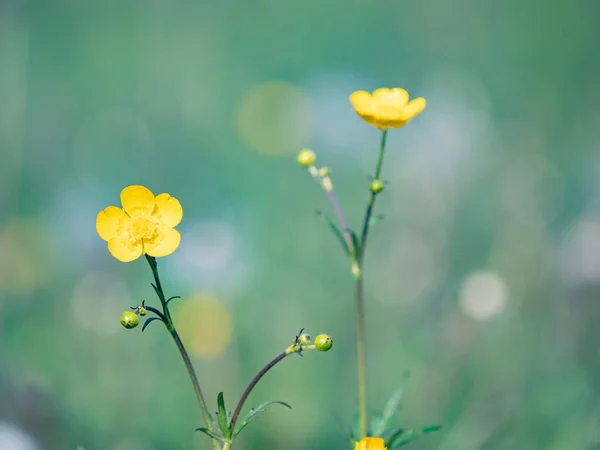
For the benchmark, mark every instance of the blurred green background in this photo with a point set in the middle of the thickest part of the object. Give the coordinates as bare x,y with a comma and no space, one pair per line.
483,280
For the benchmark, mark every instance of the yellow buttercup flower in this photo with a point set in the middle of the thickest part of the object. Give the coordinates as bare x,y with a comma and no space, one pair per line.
370,443
386,107
145,225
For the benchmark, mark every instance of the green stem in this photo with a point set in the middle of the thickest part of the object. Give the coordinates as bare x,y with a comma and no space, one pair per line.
184,354
253,383
371,205
361,356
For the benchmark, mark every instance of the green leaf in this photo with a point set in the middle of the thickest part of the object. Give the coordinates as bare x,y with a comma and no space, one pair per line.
380,423
334,228
210,434
253,414
156,291
223,418
405,437
355,244
172,298
355,432
149,320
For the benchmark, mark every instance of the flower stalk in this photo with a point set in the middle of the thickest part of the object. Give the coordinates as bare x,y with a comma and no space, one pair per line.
168,321
357,266
252,385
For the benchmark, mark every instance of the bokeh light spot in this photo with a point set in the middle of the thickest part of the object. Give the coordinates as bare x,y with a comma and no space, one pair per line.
580,252
483,295
214,257
204,323
25,264
13,438
275,118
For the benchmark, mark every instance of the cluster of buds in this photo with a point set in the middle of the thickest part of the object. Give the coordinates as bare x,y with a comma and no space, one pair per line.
322,343
130,319
307,158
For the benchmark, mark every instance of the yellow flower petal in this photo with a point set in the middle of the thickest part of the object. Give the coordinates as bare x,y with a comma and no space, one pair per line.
123,249
370,443
413,108
110,222
396,123
394,98
164,244
137,199
363,103
169,210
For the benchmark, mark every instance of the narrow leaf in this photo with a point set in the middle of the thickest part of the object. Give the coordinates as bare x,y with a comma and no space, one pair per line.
254,414
381,423
262,406
355,434
210,434
336,231
394,437
223,419
410,435
172,298
148,321
355,242
243,425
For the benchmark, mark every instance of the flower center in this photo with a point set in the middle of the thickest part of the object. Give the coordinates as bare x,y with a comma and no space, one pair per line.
144,227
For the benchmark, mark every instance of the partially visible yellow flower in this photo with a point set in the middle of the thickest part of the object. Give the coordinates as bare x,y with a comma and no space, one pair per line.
386,107
370,443
145,225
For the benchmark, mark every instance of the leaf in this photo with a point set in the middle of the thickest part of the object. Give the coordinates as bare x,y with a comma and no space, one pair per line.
381,423
253,414
223,418
334,228
149,320
394,437
210,434
409,436
155,289
355,432
355,244
172,298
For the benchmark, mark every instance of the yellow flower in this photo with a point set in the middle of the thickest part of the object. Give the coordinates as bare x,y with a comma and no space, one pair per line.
145,225
370,443
386,107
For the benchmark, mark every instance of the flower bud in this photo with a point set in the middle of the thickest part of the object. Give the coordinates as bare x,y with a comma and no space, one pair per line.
129,320
323,342
304,339
306,157
376,187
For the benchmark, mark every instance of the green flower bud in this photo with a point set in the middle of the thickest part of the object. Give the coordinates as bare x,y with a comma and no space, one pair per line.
129,320
323,342
376,187
306,157
304,339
